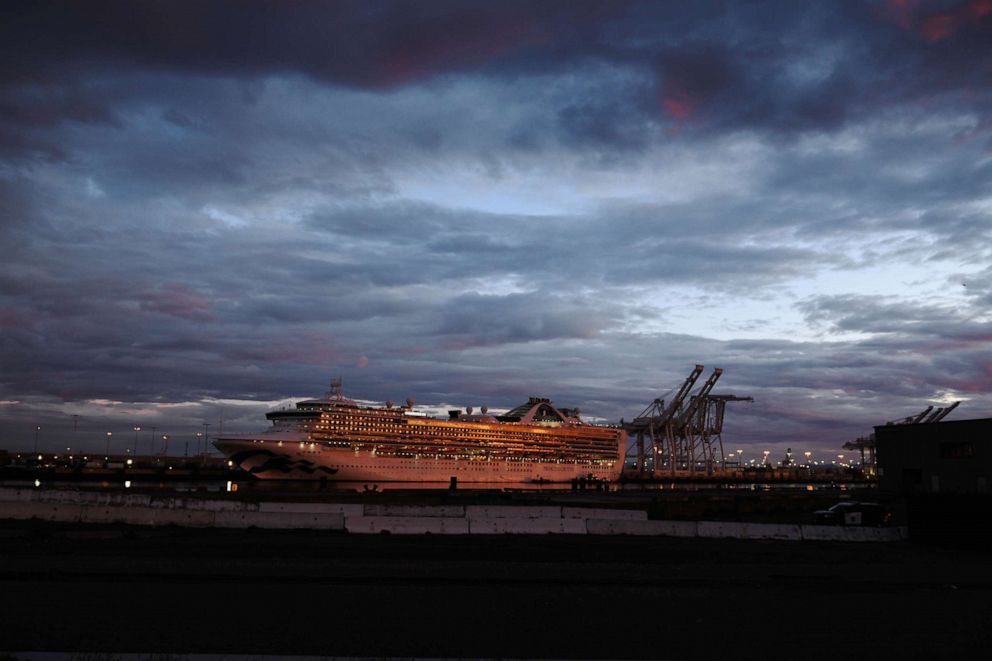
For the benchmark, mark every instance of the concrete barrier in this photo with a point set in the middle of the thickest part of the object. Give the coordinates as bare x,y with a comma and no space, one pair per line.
219,505
147,516
347,509
407,525
526,526
280,520
784,531
719,529
11,494
45,511
454,511
622,527
854,534
143,509
603,513
749,530
512,512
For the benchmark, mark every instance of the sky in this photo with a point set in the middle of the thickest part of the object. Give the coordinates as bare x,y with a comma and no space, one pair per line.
208,210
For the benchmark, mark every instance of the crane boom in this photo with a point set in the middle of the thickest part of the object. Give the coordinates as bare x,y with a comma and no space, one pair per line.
944,413
922,415
646,420
700,396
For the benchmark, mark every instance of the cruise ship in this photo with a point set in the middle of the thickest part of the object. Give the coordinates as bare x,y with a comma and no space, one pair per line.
336,439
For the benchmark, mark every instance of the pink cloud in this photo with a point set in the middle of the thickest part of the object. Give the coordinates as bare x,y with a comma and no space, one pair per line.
464,39
979,9
900,12
936,27
681,106
939,27
11,319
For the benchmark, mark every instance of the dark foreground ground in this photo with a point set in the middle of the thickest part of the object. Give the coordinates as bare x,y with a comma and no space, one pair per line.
118,590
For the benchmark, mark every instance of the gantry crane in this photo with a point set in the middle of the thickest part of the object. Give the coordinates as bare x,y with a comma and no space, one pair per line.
716,406
867,443
684,434
654,420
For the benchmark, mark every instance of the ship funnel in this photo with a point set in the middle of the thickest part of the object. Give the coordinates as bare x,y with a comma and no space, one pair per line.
469,409
389,403
485,410
409,402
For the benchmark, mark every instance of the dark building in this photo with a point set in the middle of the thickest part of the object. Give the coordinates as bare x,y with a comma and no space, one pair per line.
939,457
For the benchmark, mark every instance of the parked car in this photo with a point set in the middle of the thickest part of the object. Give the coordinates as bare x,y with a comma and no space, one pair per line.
853,513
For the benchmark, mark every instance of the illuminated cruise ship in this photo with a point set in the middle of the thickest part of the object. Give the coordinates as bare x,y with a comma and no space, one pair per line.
336,439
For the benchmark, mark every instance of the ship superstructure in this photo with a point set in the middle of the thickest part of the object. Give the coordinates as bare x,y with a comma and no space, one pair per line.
338,439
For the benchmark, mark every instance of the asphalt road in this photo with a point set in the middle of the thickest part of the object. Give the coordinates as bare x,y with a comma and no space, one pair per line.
173,591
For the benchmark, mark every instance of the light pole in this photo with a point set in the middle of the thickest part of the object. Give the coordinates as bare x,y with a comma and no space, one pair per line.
808,455
151,448
134,453
165,452
206,436
764,459
109,434
36,430
739,453
199,437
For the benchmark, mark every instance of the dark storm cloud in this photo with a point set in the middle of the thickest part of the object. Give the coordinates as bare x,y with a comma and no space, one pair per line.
353,43
829,64
713,66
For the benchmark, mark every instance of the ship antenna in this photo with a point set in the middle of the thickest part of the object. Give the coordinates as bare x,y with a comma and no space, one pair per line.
336,393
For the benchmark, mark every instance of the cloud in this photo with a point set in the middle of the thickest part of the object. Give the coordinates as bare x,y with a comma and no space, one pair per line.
475,320
178,300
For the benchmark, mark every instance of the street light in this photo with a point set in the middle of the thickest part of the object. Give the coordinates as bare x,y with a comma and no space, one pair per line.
109,434
199,437
151,448
36,430
135,452
165,437
739,453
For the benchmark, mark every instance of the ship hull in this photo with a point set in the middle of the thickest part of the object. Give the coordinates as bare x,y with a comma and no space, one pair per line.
311,461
